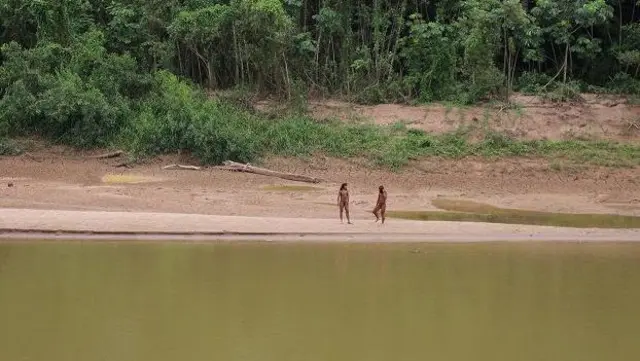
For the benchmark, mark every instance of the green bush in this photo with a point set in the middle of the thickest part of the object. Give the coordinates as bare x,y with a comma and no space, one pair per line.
16,109
8,147
531,83
176,116
78,95
79,114
623,83
164,117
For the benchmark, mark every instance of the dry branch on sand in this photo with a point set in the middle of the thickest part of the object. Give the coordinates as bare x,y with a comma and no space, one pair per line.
239,167
633,124
115,154
180,166
32,157
126,164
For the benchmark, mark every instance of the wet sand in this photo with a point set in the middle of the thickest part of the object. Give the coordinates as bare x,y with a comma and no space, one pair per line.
56,224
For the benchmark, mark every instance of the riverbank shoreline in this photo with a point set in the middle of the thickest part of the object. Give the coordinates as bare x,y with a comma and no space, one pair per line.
38,224
60,194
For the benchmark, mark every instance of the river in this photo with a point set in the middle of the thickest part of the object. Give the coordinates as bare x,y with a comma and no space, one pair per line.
93,301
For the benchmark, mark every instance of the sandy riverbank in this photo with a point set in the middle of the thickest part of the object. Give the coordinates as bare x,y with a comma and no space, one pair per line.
39,185
54,224
52,192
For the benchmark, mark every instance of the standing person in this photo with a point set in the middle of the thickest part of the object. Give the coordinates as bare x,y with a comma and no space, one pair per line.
343,202
381,204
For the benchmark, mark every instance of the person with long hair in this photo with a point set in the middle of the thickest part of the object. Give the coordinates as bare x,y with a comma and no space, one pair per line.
343,202
381,204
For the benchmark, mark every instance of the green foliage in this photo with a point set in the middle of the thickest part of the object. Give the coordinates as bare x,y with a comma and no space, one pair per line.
532,82
569,91
623,83
429,55
78,95
93,73
371,51
180,118
568,24
9,147
77,113
235,43
16,109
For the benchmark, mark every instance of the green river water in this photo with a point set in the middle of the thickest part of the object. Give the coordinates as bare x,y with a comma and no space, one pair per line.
309,302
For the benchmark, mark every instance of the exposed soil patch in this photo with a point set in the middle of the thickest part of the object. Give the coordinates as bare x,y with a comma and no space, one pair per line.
528,117
74,183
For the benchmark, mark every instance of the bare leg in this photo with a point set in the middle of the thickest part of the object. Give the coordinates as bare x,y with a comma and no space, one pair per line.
375,213
341,207
347,211
382,212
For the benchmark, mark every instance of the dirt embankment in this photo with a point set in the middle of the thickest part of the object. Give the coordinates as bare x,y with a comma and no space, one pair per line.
595,117
52,181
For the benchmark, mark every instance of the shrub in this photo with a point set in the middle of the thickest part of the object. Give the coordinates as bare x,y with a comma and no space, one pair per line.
176,116
532,82
16,108
623,83
8,147
76,113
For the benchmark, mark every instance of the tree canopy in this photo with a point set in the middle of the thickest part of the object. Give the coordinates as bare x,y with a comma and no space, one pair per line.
373,50
79,71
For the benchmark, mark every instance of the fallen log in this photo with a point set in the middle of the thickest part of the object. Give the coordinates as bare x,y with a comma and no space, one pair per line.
633,124
115,154
128,164
32,157
248,168
180,166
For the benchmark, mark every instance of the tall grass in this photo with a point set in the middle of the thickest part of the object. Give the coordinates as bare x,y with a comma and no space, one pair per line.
9,147
176,116
180,118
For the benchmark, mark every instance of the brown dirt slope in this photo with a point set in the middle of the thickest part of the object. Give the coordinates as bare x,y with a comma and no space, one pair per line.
527,117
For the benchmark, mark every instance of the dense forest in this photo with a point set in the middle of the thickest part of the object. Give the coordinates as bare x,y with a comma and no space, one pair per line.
86,72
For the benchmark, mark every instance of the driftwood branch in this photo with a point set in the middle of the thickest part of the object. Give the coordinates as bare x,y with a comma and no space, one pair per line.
115,154
32,157
126,164
248,168
180,166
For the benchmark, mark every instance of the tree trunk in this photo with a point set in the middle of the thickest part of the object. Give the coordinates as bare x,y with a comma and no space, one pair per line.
207,64
239,167
513,69
287,78
566,59
505,57
236,54
619,22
